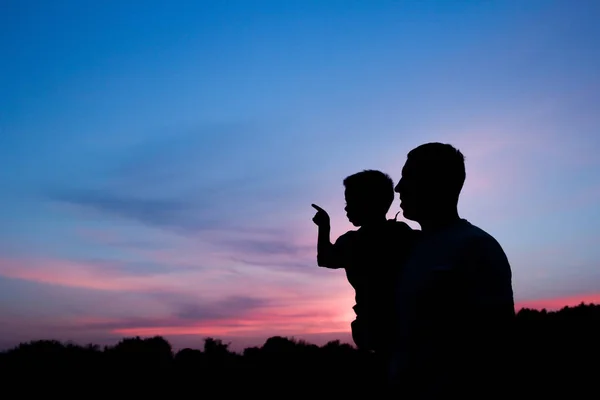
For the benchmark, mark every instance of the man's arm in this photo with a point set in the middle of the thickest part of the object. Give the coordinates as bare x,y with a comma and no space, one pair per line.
488,265
492,315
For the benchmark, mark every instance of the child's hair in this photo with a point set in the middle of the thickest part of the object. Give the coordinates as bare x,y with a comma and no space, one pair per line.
375,186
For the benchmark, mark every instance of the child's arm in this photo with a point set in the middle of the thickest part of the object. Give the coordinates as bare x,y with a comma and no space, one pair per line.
327,254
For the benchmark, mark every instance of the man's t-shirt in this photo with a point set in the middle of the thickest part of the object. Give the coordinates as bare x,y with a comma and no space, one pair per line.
455,306
372,258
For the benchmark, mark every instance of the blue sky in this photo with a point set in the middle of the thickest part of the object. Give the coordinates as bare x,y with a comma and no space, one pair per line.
158,159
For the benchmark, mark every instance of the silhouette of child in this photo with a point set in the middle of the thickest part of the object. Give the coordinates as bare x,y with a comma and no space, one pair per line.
371,255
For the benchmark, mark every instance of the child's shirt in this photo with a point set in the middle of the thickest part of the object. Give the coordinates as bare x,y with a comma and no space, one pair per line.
372,257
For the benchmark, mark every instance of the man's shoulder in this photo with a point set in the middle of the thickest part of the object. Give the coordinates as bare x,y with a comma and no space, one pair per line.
480,243
472,234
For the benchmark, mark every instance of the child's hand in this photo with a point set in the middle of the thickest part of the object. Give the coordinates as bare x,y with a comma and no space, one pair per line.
321,218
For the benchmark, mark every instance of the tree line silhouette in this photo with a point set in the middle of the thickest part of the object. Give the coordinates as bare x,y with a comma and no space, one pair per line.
554,353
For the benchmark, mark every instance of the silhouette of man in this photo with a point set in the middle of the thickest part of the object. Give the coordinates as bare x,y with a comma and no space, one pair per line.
455,298
371,256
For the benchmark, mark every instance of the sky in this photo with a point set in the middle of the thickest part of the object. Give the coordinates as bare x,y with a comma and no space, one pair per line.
158,159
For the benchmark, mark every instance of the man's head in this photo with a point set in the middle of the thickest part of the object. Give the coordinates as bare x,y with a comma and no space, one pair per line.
432,178
369,195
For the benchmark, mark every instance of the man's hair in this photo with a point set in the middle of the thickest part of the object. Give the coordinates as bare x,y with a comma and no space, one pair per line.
441,162
375,186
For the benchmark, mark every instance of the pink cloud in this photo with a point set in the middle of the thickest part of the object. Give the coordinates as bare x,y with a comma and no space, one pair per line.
100,275
311,316
559,302
68,273
333,317
297,303
219,249
212,283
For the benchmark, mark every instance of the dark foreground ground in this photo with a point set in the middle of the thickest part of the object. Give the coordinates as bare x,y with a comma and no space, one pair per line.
556,354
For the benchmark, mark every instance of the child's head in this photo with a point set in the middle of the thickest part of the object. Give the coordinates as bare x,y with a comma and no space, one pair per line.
369,195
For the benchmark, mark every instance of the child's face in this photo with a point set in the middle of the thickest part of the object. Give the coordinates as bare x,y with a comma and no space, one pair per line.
357,208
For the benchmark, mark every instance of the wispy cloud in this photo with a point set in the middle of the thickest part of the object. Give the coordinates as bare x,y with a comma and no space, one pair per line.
90,275
190,182
278,250
176,214
270,322
185,311
214,302
183,290
195,309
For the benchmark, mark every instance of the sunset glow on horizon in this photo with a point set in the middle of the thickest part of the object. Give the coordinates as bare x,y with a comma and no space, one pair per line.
158,163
